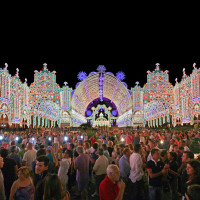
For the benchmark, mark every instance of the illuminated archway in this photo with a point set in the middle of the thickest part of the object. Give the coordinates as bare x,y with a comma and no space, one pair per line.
100,85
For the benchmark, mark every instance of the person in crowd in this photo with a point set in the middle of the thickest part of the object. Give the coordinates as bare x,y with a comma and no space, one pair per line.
136,183
94,154
156,169
186,157
81,165
136,139
124,165
41,170
54,191
40,152
110,148
106,153
15,156
22,151
172,143
52,158
182,143
86,146
9,171
112,187
173,174
64,168
152,145
193,171
23,187
99,169
128,139
193,192
29,156
2,189
164,156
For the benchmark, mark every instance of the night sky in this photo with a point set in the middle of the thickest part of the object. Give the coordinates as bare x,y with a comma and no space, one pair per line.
135,71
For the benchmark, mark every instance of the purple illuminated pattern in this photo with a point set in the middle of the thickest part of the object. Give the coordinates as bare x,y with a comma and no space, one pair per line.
101,87
82,76
105,101
120,76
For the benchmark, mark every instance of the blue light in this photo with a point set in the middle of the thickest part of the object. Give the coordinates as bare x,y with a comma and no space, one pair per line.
82,75
120,76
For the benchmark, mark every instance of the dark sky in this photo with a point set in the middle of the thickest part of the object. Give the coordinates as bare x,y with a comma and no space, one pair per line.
135,71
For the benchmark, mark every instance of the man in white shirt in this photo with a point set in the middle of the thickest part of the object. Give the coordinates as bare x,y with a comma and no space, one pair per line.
99,168
136,183
29,156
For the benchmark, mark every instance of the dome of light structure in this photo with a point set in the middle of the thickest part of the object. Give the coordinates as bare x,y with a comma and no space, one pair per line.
101,85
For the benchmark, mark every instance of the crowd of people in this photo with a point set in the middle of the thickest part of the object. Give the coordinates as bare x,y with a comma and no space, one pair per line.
109,165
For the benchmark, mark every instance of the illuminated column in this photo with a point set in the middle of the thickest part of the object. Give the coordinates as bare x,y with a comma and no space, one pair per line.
160,121
38,120
48,123
43,121
157,122
164,119
34,120
168,119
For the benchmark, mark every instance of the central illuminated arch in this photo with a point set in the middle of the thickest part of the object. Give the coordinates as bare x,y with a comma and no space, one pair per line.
101,84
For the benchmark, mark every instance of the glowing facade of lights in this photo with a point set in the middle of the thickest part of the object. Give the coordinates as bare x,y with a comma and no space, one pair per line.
100,98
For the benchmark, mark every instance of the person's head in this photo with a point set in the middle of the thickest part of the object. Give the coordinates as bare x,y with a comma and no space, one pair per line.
13,143
42,163
41,152
113,173
187,155
100,151
79,149
55,190
152,144
23,146
155,153
71,146
30,146
175,148
193,168
86,145
110,143
127,152
137,148
193,192
23,173
104,146
95,145
13,149
163,155
172,156
68,153
4,153
147,148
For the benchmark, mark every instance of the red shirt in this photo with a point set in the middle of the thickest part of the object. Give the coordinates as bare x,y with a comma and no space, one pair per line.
108,190
93,140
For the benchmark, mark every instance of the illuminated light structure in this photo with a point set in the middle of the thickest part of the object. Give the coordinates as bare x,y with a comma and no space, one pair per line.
14,96
187,98
49,104
152,104
100,98
101,86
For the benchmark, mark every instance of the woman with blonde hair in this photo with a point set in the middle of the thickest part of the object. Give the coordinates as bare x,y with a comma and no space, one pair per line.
23,187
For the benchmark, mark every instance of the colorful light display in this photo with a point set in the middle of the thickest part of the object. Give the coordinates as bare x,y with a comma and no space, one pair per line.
100,98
